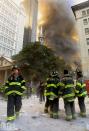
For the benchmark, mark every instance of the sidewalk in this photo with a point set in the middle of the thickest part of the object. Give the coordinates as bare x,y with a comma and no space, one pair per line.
33,118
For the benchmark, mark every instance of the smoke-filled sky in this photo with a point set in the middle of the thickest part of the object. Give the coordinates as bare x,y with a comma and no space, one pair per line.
59,29
73,2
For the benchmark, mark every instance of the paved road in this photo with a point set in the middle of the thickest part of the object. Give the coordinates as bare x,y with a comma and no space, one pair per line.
32,118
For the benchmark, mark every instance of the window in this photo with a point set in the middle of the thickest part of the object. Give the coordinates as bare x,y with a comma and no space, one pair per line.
1,18
5,40
8,41
88,51
86,31
85,21
83,13
0,27
10,53
87,40
1,38
88,11
7,31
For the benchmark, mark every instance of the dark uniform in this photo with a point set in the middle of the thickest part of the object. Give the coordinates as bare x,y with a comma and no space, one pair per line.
68,93
52,95
47,103
14,88
41,91
81,93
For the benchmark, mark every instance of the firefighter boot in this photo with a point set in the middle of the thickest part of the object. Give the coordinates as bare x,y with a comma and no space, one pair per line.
17,114
10,119
51,114
55,115
83,114
46,110
73,116
69,117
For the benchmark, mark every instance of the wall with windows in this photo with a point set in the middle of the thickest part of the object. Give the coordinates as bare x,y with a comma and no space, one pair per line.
82,18
10,15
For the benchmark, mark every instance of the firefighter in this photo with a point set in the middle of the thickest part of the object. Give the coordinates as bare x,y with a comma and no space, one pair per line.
14,89
41,91
68,94
81,93
52,95
47,103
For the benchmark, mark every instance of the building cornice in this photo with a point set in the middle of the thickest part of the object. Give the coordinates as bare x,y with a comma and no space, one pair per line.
80,6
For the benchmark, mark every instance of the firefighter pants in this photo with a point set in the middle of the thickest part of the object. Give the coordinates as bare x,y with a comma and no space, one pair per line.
47,103
54,107
82,105
14,104
42,97
69,109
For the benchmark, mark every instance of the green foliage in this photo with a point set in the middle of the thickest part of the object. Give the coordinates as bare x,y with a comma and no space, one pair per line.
37,61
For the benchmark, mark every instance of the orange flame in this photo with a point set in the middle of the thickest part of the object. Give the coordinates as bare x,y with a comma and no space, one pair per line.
75,37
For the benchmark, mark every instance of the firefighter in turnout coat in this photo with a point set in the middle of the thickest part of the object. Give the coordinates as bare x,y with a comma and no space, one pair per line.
52,95
81,93
47,103
14,89
68,93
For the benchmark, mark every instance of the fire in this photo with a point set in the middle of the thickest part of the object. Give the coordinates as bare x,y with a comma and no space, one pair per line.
43,12
75,37
41,20
21,1
39,15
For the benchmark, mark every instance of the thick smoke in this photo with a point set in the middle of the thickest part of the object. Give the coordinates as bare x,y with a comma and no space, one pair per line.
59,29
26,4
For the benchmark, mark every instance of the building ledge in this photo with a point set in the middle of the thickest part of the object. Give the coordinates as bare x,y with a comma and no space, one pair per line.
80,6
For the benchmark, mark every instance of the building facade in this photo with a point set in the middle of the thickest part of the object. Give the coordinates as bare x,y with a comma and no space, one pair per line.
11,28
81,12
30,32
5,68
34,15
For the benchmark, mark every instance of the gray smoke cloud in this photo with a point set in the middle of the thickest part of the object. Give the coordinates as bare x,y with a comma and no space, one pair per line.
27,8
59,29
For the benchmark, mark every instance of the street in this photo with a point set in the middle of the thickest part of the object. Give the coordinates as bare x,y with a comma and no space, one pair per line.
32,118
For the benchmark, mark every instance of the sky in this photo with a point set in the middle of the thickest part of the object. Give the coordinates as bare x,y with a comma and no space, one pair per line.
74,2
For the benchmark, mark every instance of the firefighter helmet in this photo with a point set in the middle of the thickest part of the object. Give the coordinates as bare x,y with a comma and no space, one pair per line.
66,71
54,73
79,73
15,67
